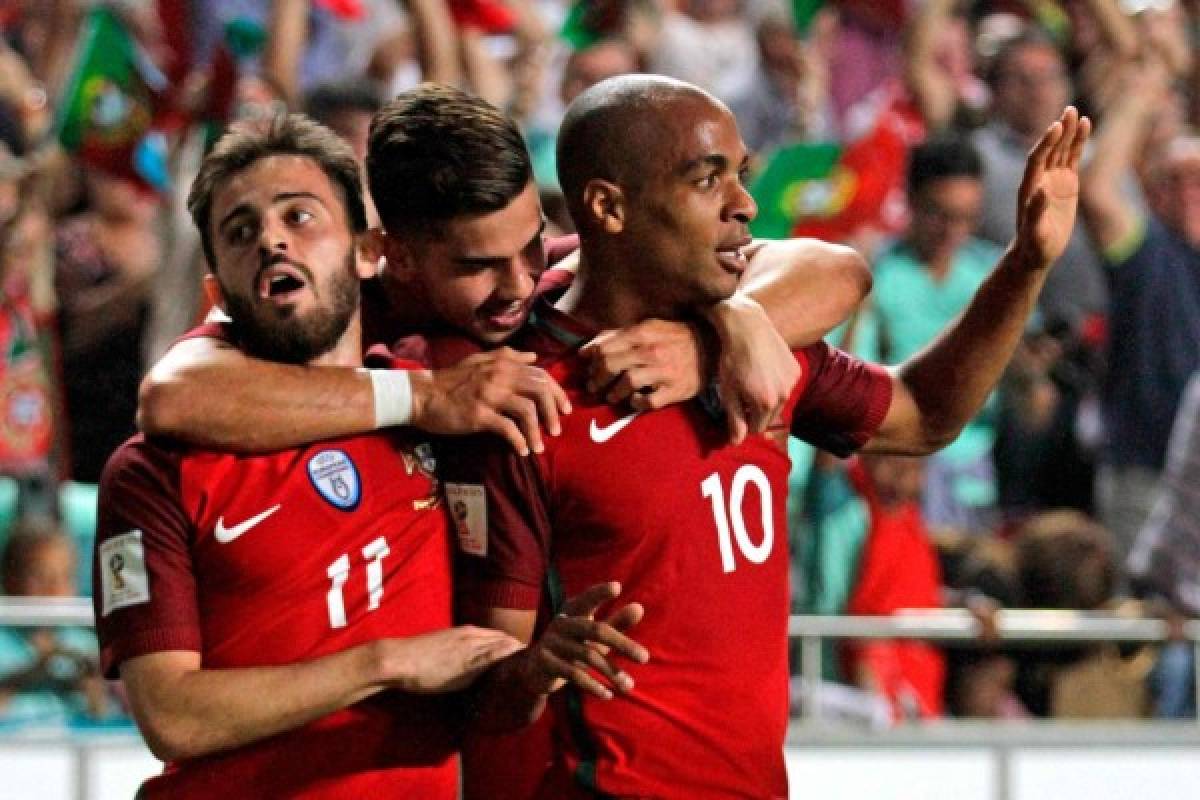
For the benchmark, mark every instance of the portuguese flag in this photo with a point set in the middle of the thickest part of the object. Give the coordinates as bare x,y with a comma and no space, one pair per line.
830,190
108,111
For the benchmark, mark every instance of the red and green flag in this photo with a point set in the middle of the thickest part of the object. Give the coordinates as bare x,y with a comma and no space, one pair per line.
831,191
107,114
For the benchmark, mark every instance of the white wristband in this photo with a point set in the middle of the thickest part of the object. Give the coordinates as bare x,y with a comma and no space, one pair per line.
392,389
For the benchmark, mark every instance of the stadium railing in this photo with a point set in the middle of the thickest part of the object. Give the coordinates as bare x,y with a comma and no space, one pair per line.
1061,760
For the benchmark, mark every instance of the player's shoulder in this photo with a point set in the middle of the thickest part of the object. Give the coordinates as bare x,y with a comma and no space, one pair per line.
140,455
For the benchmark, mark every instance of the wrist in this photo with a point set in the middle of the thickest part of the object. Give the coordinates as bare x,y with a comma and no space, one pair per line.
392,396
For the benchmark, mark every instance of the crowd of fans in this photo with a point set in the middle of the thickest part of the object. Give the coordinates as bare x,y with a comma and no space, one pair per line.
899,128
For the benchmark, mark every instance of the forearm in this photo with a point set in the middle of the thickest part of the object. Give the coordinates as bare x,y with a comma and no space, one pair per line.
259,408
437,40
951,379
1119,31
288,32
201,711
927,82
1108,215
806,287
501,701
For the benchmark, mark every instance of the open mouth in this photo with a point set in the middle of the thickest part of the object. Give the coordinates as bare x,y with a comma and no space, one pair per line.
733,257
280,281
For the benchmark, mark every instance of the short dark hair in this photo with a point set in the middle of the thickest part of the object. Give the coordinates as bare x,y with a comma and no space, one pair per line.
324,101
285,134
435,153
946,155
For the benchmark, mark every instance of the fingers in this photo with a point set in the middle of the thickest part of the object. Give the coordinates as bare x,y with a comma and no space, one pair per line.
1081,136
586,602
626,617
1035,164
506,429
580,630
560,668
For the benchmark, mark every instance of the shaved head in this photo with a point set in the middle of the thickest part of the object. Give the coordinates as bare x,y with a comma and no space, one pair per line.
619,130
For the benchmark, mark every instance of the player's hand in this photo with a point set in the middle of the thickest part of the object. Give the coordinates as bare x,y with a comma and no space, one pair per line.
576,643
652,364
443,661
1049,194
756,370
499,391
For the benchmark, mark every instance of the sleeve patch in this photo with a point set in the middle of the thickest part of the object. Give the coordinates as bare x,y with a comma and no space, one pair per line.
468,507
123,572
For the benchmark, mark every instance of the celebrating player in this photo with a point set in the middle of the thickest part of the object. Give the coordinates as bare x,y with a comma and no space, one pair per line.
282,623
693,527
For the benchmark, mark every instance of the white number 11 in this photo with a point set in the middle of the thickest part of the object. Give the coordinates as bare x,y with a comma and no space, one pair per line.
339,572
715,492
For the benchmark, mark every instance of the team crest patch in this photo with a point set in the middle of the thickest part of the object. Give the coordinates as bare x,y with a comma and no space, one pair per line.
335,477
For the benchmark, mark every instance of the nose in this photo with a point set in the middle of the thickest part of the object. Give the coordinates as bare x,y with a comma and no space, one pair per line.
515,281
740,205
272,237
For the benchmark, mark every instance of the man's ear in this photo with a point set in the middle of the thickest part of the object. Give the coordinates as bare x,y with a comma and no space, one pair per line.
212,291
391,255
604,204
369,257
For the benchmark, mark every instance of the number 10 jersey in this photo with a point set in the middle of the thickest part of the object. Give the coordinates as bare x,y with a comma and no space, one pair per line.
695,530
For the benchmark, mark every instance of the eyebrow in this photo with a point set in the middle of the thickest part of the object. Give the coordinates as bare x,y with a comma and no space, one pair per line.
279,198
716,161
470,260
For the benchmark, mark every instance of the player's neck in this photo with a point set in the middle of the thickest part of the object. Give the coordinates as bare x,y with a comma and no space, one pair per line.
604,298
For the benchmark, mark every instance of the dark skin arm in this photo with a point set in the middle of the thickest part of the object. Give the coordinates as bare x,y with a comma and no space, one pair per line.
937,391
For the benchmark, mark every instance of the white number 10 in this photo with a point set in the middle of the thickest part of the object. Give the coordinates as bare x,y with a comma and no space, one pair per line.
339,573
715,492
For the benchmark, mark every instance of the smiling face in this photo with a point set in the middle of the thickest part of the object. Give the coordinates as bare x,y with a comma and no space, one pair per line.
478,272
689,211
285,258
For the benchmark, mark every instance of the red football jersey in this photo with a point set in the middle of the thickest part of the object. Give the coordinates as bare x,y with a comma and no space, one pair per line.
695,530
275,559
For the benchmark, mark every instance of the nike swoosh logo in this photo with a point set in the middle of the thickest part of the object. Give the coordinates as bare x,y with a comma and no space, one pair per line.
226,535
602,435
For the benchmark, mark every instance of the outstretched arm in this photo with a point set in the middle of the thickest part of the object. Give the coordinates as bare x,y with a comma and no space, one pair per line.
936,392
185,711
208,393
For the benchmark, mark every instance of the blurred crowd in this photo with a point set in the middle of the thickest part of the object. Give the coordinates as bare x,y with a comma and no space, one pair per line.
898,127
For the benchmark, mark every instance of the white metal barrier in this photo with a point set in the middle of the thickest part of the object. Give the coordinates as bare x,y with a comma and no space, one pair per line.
952,759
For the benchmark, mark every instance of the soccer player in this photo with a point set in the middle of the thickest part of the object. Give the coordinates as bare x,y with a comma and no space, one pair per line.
452,180
691,525
464,250
282,623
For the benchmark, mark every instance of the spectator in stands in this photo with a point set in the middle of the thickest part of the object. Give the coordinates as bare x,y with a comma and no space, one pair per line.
47,675
106,258
27,419
1029,84
709,43
924,281
898,570
1065,560
980,574
1164,566
1153,261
